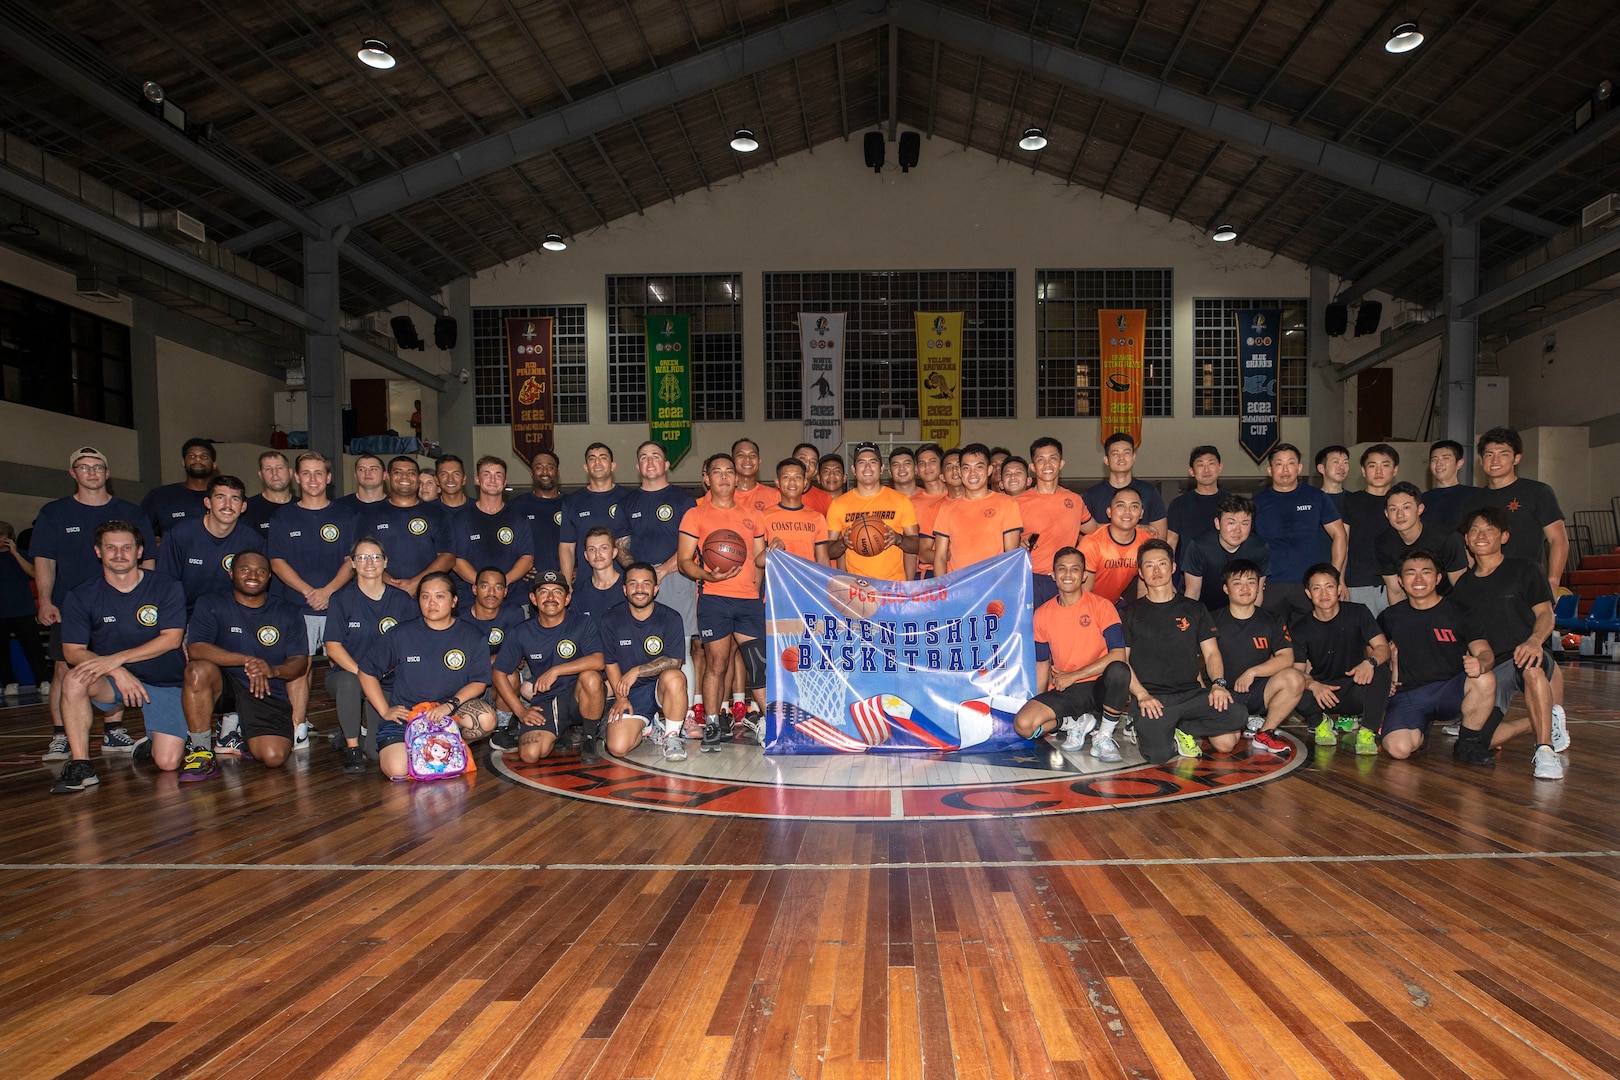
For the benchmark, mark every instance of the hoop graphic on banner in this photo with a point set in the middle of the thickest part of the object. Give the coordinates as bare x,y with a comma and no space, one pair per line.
1259,335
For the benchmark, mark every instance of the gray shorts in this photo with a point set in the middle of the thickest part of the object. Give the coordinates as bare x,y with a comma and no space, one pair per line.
680,592
1510,679
1373,596
315,626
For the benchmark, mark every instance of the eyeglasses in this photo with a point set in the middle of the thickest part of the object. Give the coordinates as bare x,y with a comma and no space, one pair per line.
369,558
93,467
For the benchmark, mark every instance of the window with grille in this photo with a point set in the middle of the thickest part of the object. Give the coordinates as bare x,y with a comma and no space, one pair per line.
492,395
880,345
715,303
1215,355
1068,355
59,358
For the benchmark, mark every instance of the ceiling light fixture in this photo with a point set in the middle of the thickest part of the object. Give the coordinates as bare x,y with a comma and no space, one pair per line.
245,322
374,53
1404,38
152,92
22,226
744,142
1032,140
1536,308
1224,234
554,242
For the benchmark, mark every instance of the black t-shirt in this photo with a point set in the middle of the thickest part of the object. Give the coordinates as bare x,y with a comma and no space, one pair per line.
1165,642
1530,506
1391,550
1443,507
1504,602
1193,515
1364,513
1247,643
1098,497
1206,557
1337,645
1430,642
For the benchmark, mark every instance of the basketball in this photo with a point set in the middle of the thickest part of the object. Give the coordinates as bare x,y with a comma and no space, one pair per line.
853,597
724,550
1572,642
790,658
995,609
867,537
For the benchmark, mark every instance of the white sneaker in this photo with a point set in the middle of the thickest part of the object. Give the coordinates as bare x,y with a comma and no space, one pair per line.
228,723
1104,748
1453,729
12,689
1547,766
1075,729
1560,730
301,736
673,745
44,688
1255,724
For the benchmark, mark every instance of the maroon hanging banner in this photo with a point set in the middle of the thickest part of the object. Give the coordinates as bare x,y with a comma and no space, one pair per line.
528,359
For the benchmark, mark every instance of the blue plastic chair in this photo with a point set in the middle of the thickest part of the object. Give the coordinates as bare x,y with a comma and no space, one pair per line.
1564,617
1605,615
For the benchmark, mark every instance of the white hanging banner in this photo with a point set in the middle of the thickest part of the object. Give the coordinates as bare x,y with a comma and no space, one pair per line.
821,342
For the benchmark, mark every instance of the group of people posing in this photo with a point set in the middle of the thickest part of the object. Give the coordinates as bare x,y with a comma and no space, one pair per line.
594,619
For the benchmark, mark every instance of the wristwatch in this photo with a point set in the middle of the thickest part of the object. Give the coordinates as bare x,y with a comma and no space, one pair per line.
1220,682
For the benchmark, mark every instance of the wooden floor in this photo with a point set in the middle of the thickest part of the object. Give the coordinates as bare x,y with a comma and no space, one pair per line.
1409,919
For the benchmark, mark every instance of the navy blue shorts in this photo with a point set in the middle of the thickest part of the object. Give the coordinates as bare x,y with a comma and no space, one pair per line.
722,616
644,698
1416,709
561,712
390,732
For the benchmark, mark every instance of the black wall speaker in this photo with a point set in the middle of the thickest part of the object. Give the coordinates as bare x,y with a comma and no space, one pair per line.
405,333
874,150
910,149
1336,319
444,332
1368,316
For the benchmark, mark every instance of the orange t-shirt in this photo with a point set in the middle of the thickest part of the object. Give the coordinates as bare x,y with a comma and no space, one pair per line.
817,500
1077,635
977,528
890,508
759,498
799,530
1112,566
927,508
705,518
1055,521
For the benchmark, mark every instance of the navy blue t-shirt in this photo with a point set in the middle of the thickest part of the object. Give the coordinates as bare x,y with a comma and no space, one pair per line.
629,642
201,561
313,542
273,632
543,646
107,621
356,621
655,522
170,504
65,530
545,523
587,599
585,509
16,593
1192,515
499,540
1099,495
506,620
258,514
411,536
1292,523
429,664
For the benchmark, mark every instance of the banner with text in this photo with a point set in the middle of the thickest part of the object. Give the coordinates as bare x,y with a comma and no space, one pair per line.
821,342
528,362
860,666
669,384
1259,336
939,376
1121,333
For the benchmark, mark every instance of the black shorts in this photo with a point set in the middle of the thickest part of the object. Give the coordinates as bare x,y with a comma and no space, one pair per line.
259,716
1255,699
561,712
53,647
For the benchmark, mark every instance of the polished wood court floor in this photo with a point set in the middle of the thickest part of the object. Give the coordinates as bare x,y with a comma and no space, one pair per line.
1357,918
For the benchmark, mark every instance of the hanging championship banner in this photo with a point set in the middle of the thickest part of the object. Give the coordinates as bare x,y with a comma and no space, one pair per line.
669,384
860,666
821,343
528,363
1121,333
939,376
1259,335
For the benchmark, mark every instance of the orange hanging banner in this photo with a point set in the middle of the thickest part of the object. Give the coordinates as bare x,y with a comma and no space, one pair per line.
1120,335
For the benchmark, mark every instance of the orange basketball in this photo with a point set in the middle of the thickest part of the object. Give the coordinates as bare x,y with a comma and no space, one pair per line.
723,549
790,658
867,538
995,609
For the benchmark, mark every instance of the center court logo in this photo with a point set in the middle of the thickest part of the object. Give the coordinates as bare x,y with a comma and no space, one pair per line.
329,533
566,649
268,636
147,615
653,645
455,659
504,535
417,526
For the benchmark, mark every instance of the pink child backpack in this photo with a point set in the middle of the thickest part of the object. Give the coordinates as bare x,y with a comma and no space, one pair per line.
434,749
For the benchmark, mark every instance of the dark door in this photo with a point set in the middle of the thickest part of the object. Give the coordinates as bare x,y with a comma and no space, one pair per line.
1375,405
369,400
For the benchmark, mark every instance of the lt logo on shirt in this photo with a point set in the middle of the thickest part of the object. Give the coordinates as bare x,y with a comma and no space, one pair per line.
329,533
664,512
504,535
566,649
268,636
1182,624
455,659
147,615
653,645
417,526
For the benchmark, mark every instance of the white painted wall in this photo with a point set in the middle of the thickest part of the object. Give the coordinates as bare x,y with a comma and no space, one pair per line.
204,397
1569,379
824,211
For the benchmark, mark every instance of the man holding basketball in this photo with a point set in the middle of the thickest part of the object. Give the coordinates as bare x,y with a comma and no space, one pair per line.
873,529
731,614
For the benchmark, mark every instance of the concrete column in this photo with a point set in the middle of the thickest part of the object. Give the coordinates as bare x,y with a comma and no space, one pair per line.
1460,346
144,397
456,400
1326,390
323,354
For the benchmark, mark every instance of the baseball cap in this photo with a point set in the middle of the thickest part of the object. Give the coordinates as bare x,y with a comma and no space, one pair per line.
87,451
550,577
860,447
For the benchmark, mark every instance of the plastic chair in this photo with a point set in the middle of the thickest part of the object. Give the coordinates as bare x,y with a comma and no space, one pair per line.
1564,617
1605,614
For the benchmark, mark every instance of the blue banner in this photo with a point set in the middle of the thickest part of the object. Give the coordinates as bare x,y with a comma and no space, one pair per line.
860,666
1259,336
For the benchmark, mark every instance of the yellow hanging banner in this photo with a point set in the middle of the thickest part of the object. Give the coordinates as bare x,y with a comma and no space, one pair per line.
1121,333
939,376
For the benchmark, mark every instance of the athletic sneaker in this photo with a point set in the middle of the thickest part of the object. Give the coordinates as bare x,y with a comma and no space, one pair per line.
1347,724
692,728
44,688
673,746
301,736
1268,742
1075,729
1453,729
12,690
1255,724
1471,750
77,776
1127,731
1325,735
588,753
711,735
1560,730
117,741
142,754
1186,745
231,745
229,722
576,737
58,750
1546,764
504,740
1104,748
354,760
199,765
1366,743
750,729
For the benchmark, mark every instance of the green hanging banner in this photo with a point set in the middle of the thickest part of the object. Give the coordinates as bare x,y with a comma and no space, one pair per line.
669,384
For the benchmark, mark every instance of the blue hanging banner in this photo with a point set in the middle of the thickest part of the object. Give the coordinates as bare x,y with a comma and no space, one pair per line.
863,666
1259,336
